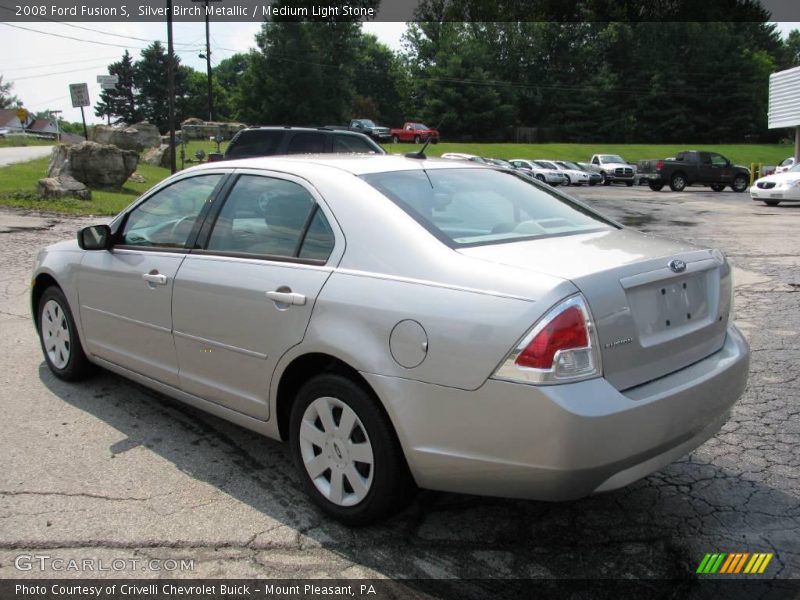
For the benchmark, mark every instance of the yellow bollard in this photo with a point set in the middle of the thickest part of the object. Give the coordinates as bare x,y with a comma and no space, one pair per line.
752,173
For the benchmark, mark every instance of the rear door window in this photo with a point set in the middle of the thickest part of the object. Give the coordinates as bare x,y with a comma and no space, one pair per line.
306,143
351,143
255,143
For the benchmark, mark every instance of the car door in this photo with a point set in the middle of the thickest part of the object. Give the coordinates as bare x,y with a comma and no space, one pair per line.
244,299
721,168
126,292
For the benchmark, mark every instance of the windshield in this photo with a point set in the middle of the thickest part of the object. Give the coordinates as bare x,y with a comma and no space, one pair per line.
468,207
795,169
611,158
419,126
367,123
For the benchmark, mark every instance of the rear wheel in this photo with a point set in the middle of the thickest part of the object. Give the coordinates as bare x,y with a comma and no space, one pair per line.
717,187
346,451
416,139
61,346
656,186
395,139
771,202
739,183
678,182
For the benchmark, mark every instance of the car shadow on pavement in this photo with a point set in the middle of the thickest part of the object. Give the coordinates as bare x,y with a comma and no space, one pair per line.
659,527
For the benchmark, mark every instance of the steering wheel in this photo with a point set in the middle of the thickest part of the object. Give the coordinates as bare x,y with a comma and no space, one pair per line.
174,231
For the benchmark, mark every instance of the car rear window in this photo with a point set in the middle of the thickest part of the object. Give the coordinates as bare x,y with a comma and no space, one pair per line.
468,207
255,143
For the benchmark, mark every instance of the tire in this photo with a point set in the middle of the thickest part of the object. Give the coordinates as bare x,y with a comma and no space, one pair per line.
677,182
59,339
656,186
740,183
629,183
416,139
569,181
717,187
772,202
606,180
395,139
592,183
435,140
540,177
366,491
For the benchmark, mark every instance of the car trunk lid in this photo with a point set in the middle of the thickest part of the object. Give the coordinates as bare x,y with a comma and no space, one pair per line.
651,319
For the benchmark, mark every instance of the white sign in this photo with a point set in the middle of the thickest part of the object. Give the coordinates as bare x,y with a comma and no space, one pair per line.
784,99
80,94
108,82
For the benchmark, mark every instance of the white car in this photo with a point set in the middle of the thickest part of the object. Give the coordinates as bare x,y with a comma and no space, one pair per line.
785,165
463,156
574,176
551,176
777,188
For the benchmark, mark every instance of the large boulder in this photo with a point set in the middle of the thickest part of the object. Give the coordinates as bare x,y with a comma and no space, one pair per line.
63,186
195,129
158,157
96,165
136,137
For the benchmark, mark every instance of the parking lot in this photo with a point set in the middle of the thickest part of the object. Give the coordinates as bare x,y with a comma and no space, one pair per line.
108,470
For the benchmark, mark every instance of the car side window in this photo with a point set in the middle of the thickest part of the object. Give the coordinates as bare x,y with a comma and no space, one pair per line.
307,143
704,157
718,160
254,143
595,161
264,216
167,218
349,143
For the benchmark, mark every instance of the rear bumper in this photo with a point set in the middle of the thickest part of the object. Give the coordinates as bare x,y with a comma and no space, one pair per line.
560,442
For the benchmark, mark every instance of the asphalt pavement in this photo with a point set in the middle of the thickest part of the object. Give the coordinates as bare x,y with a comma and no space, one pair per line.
19,154
108,470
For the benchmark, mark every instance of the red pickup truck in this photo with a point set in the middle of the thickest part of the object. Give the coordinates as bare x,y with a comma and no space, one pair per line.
414,132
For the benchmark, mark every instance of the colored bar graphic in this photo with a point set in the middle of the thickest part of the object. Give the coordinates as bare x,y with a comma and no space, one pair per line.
734,563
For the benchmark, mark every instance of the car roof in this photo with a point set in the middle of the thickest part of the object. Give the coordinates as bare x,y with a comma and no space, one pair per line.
355,164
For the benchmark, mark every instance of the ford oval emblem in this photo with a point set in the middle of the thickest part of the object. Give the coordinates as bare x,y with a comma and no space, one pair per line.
677,265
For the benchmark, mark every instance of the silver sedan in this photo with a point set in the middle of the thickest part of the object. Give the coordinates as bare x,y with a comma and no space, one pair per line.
404,321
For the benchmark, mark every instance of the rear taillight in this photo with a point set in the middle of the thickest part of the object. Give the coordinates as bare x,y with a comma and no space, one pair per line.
659,165
560,348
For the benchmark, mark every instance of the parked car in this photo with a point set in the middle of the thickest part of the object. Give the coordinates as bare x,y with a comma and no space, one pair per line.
414,132
551,176
271,141
785,165
777,188
477,333
463,156
594,176
499,162
613,169
574,176
695,167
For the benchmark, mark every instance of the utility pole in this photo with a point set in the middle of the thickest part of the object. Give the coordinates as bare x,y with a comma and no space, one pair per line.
171,87
55,114
207,56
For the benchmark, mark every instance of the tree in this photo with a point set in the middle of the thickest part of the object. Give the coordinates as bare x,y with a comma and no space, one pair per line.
120,103
152,92
793,49
380,79
228,85
6,99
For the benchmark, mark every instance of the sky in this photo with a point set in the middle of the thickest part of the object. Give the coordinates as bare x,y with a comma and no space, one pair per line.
43,71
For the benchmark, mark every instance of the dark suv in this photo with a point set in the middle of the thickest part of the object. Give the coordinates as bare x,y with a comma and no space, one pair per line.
269,141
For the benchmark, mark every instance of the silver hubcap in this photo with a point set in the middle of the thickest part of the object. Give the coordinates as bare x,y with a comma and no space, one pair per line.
336,451
55,334
679,182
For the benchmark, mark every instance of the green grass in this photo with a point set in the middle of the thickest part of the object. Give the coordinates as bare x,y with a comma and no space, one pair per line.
18,186
18,181
16,141
744,154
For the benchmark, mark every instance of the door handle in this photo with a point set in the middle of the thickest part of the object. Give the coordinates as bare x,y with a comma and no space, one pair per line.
155,278
287,298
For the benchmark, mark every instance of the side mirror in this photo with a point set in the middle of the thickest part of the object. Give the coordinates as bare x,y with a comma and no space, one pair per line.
96,237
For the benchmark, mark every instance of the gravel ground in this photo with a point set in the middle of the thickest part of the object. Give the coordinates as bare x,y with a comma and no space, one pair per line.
108,470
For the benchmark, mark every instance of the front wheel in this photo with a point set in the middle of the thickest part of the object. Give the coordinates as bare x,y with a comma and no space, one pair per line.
540,177
568,181
395,139
629,183
739,183
717,187
346,451
416,139
606,180
58,334
677,183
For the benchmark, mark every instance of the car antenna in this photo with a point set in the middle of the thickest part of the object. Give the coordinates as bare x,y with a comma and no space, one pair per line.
421,152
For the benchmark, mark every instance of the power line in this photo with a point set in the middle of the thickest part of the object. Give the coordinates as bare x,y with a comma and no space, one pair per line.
59,73
69,62
69,37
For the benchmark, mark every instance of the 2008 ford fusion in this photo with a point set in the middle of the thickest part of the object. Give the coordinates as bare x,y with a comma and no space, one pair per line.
404,321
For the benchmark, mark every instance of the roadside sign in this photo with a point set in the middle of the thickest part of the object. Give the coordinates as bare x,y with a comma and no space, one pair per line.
80,94
22,115
108,82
